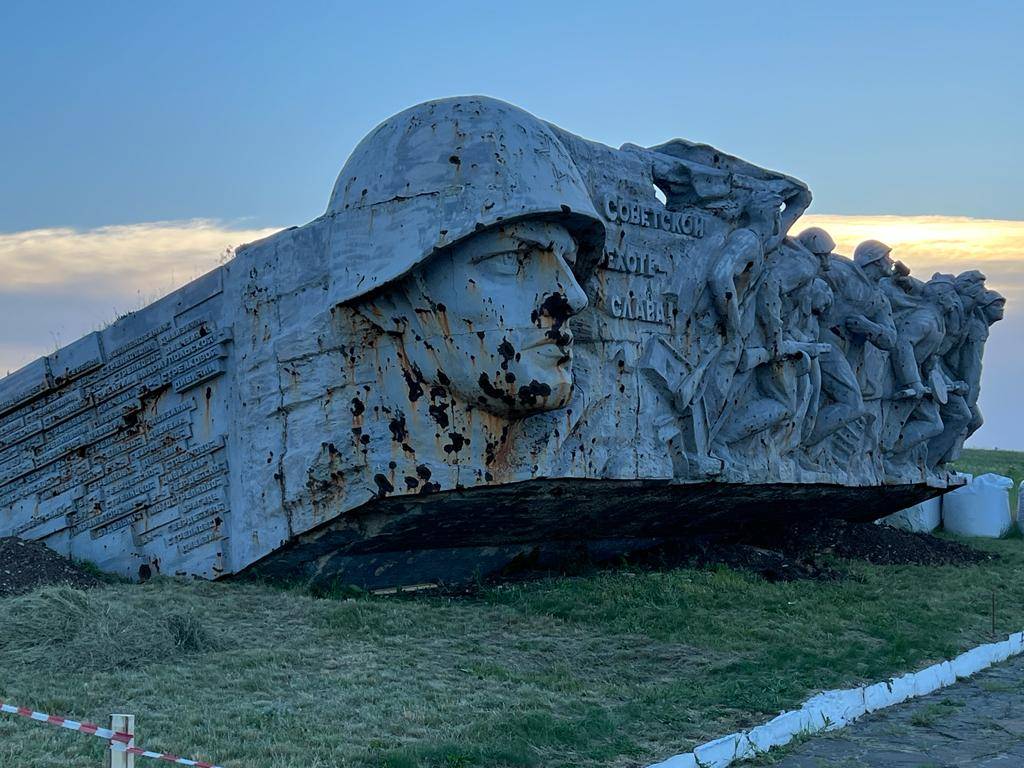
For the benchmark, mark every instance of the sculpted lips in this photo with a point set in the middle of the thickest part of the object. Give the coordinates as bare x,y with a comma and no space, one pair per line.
557,346
562,340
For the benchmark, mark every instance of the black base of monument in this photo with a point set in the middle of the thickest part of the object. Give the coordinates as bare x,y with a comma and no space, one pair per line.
460,536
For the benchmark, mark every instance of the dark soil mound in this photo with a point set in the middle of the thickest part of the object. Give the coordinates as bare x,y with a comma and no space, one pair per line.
878,544
767,563
26,565
806,549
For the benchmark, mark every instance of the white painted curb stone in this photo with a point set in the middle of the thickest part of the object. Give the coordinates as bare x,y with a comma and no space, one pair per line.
831,710
724,751
834,709
779,730
679,761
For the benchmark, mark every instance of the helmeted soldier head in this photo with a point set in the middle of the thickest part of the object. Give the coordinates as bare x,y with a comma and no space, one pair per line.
457,225
941,291
820,243
992,305
971,287
817,241
873,257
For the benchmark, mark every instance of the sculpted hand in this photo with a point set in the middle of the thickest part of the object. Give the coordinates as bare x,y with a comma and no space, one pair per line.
914,391
785,349
792,349
813,349
859,324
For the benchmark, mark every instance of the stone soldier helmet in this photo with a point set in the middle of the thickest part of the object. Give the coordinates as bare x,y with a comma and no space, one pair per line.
971,277
870,251
941,290
940,284
988,296
438,172
817,241
971,284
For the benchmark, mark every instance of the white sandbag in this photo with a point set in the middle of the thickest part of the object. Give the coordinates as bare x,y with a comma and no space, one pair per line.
920,518
981,508
1002,651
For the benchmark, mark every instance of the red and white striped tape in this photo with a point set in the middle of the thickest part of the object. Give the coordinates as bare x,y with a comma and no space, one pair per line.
117,746
119,741
63,722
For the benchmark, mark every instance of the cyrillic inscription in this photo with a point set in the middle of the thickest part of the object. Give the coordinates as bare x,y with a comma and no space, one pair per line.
621,211
645,310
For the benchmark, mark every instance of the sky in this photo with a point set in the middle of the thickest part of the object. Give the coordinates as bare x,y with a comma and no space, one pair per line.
138,141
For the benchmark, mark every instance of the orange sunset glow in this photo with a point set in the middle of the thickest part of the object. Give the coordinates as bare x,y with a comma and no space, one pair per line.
107,271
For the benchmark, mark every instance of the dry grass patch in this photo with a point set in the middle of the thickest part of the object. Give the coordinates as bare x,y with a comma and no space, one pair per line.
615,669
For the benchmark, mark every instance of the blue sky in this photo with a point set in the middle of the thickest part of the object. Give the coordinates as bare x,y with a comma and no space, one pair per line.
240,114
121,112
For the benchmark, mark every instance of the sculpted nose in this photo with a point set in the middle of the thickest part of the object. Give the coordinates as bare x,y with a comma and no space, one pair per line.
574,294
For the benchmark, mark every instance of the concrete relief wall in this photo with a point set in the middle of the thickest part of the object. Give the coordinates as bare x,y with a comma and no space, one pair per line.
494,313
118,441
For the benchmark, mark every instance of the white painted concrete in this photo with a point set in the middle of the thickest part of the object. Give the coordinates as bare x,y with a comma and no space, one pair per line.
831,710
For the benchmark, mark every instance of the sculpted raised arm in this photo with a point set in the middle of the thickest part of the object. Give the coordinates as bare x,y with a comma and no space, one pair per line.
881,332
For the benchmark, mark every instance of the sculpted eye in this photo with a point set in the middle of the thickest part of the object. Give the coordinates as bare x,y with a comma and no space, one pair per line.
506,262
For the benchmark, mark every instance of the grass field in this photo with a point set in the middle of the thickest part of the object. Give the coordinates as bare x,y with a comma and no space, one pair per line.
618,668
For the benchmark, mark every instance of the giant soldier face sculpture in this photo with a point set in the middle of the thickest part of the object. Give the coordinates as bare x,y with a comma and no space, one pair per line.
456,226
489,315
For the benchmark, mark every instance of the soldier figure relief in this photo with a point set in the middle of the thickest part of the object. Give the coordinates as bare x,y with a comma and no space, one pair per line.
498,334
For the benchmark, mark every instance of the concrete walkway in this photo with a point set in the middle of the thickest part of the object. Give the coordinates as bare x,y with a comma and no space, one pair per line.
977,723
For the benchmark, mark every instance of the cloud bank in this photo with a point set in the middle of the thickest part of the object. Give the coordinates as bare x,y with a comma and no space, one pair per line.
929,244
58,284
154,257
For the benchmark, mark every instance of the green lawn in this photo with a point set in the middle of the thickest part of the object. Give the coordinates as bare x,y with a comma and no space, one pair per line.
978,461
618,668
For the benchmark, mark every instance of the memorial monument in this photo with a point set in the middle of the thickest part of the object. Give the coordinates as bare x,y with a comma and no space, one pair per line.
499,336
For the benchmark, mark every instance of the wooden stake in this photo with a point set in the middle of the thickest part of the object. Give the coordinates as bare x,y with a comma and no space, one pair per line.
123,724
